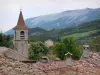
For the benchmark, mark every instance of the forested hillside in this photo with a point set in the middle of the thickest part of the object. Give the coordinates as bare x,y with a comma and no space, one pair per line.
89,29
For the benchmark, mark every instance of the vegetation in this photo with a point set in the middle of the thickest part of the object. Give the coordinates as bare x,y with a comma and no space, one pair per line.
85,34
51,57
86,30
60,50
95,44
37,50
67,44
5,40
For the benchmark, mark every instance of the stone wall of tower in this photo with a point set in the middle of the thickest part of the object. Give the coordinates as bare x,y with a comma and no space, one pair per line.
17,35
21,45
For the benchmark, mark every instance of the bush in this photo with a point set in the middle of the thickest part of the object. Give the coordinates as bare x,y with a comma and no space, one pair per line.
60,50
1,37
95,44
37,50
67,44
5,40
51,57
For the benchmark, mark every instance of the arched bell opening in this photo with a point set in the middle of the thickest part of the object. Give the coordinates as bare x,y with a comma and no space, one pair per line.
22,35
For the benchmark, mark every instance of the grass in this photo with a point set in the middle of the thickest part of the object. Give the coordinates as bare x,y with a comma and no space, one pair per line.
83,35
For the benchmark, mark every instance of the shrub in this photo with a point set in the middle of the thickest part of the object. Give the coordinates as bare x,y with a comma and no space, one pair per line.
5,40
67,44
37,50
60,50
95,44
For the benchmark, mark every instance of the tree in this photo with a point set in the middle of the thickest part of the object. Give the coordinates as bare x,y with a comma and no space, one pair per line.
1,37
5,40
58,38
95,44
67,44
72,47
37,50
60,50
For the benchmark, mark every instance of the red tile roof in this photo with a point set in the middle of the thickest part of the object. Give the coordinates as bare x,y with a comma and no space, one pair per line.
20,23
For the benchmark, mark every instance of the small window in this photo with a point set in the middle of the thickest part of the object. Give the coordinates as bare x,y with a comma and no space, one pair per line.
22,33
15,34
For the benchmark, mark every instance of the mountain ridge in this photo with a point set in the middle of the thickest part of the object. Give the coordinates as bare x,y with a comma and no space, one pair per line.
63,19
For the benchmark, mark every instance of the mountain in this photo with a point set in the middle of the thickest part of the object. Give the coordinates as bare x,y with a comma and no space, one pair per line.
32,31
9,32
36,31
64,19
86,30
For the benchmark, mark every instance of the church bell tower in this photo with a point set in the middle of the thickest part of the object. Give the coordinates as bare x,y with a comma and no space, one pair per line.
21,37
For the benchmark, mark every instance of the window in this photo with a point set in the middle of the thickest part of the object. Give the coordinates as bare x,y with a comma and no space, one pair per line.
22,35
15,35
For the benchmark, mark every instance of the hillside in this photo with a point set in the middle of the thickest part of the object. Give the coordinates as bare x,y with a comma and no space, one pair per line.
63,19
89,29
36,31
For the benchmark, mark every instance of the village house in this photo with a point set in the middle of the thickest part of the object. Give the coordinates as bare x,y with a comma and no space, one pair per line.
49,43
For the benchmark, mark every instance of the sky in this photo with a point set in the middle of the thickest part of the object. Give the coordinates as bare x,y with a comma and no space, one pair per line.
9,9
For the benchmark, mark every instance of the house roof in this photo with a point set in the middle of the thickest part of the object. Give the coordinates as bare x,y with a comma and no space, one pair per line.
20,23
85,45
68,53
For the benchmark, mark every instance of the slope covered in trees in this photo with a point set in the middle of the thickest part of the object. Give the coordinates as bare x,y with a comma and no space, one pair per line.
89,29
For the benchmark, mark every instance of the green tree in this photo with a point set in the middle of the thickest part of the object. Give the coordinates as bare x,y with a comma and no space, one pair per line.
95,44
58,38
67,44
6,40
1,37
37,50
60,50
72,47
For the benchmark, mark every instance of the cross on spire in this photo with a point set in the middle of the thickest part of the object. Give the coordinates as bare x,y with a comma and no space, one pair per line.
20,8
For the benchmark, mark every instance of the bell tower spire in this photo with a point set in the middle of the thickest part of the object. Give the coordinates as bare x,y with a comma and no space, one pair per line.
21,37
21,23
20,20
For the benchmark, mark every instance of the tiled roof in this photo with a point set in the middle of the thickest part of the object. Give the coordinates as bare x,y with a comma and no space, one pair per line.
89,66
20,23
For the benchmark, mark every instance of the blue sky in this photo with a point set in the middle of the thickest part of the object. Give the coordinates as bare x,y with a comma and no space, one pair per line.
9,9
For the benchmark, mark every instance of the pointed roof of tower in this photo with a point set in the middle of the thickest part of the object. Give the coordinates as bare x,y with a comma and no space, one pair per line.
20,23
